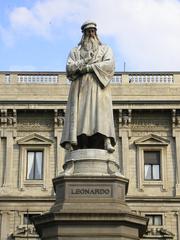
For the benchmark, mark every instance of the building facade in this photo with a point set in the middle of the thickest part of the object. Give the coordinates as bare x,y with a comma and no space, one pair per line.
146,109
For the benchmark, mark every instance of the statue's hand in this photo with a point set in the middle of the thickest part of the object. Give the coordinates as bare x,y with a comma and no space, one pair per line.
86,69
89,68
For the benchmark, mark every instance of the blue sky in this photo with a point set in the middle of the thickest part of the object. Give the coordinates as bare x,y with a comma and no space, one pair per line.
37,35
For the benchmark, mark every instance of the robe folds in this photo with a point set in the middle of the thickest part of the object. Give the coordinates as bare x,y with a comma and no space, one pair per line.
89,107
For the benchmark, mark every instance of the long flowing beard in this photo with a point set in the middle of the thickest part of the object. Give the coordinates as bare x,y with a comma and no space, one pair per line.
90,43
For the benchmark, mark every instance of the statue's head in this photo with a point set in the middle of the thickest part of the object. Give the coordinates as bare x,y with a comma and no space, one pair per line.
89,29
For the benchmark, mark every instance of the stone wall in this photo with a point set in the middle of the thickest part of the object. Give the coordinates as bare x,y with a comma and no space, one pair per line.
146,118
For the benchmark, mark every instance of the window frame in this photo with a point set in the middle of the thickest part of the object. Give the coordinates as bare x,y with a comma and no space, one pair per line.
148,215
34,159
151,142
34,142
162,165
26,183
152,178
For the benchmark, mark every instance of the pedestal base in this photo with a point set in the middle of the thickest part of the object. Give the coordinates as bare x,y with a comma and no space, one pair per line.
85,226
90,204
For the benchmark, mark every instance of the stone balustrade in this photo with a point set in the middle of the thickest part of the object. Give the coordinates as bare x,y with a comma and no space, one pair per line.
117,79
60,78
38,79
33,78
163,78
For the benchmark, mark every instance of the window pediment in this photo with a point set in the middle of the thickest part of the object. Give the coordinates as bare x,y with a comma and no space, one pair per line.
152,139
35,139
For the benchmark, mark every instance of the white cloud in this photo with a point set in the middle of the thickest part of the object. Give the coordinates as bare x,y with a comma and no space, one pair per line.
147,32
23,19
45,18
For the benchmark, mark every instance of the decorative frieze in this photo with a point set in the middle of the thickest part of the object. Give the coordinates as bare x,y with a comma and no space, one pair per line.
35,121
151,121
161,133
153,124
35,125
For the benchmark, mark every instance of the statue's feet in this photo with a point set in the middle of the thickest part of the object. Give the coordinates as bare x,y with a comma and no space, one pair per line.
108,146
68,147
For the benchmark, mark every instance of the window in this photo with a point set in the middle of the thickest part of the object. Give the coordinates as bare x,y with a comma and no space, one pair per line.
151,160
34,162
152,165
155,219
34,165
27,218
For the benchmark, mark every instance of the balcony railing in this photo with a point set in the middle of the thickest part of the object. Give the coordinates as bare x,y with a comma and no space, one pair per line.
38,79
151,78
117,79
60,78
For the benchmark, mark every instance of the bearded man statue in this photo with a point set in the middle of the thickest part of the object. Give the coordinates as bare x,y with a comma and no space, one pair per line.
89,116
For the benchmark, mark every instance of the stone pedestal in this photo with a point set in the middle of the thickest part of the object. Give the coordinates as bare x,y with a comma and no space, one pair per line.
90,201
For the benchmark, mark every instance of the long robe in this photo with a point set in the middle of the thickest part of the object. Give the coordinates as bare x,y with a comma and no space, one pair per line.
89,108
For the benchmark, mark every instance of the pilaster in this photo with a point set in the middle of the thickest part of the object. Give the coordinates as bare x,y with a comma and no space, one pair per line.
176,135
4,225
9,159
8,131
125,134
178,225
58,128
